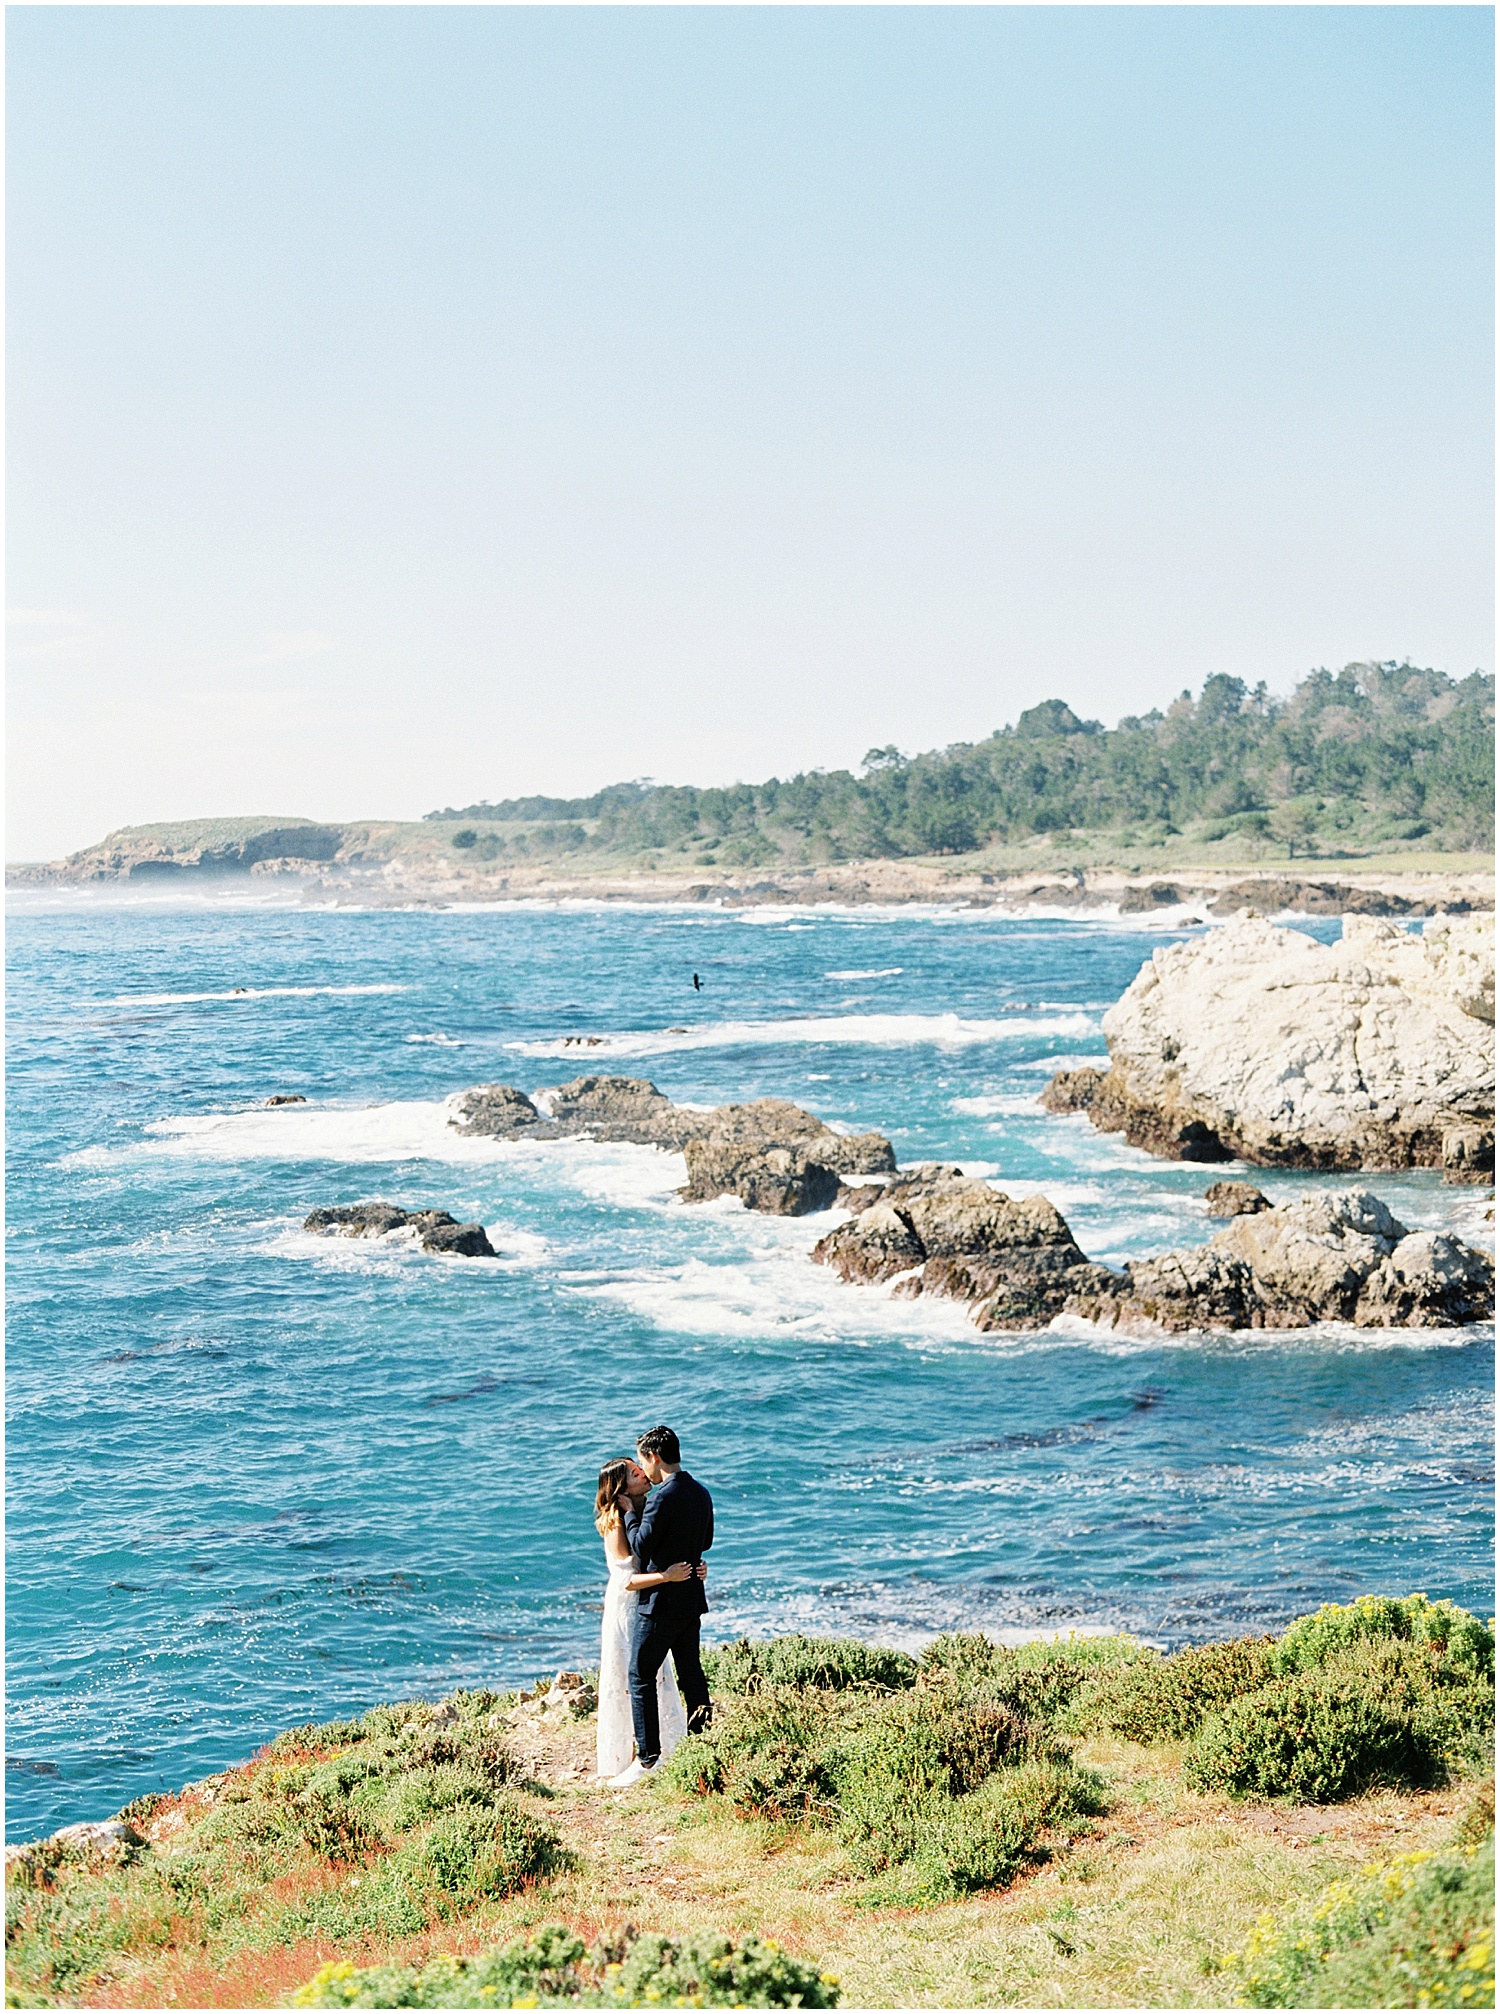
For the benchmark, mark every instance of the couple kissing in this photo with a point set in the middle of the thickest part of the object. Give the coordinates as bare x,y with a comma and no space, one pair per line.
656,1523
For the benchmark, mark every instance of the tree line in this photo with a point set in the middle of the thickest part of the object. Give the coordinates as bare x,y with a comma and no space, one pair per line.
1375,752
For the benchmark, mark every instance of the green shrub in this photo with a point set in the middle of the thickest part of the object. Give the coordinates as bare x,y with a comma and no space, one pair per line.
894,1773
1053,1679
1166,1699
401,1803
968,1657
391,1720
552,1969
331,1825
1418,1933
717,1973
763,1750
985,1839
1317,1737
831,1663
1461,1639
472,1852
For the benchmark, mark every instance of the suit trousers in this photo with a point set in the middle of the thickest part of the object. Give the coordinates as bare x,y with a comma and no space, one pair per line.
653,1639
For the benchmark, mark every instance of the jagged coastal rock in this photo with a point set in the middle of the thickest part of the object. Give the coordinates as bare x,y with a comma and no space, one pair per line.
773,1155
436,1230
1234,1199
1341,1257
937,1232
1259,1044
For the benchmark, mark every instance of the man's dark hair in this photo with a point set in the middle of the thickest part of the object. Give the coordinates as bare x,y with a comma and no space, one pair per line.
663,1443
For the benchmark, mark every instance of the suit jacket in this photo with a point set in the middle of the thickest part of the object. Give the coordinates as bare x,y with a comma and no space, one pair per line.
675,1523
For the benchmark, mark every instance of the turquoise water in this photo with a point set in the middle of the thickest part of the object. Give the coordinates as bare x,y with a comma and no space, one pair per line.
257,1477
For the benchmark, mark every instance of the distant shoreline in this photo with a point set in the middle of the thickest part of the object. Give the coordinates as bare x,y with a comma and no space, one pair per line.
1174,891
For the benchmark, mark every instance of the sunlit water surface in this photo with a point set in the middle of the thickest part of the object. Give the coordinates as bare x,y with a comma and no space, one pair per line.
257,1477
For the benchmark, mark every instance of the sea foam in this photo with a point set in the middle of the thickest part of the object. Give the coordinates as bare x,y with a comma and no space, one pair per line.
885,1031
246,993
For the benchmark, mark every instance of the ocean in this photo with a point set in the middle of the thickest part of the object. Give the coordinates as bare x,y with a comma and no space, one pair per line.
258,1478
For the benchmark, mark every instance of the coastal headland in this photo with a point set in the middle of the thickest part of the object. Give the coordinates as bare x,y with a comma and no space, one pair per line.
1304,1820
394,865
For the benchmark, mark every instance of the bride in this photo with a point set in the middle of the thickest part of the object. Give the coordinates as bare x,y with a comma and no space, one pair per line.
620,1482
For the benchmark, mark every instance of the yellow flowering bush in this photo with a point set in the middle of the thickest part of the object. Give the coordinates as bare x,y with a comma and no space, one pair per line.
1417,1932
553,1969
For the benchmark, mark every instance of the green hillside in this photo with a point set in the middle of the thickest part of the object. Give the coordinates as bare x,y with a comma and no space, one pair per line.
1372,756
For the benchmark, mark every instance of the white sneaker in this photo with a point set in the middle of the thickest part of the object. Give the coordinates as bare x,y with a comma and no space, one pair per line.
632,1773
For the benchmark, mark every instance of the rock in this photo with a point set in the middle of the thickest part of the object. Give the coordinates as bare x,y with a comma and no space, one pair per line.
1073,1090
771,1153
1196,1289
1339,1257
777,1122
1234,1199
1430,1281
99,1835
437,1230
1260,1044
858,1198
1332,1257
1157,895
623,1108
877,1245
287,1098
440,1233
956,1237
36,1863
1469,1154
1311,1257
1279,895
781,1181
356,1220
497,1111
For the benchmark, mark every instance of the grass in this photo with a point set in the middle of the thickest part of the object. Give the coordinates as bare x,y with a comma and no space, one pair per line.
967,1831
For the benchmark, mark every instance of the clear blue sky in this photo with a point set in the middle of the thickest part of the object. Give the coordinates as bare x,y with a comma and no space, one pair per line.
409,405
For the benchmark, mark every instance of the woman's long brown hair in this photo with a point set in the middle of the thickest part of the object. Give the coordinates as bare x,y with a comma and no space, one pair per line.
612,1480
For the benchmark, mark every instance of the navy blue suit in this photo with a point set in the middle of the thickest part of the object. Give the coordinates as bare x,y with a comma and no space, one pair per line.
675,1523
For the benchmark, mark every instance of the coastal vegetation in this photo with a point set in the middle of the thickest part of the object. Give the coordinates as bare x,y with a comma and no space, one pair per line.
1368,757
1390,765
1300,1820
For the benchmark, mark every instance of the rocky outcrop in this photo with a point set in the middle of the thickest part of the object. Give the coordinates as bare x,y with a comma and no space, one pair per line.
1155,895
1289,895
499,1112
772,1154
287,1098
1234,1199
436,1230
777,1158
937,1232
199,848
1339,1257
35,1864
1259,1044
623,1108
1322,1258
779,1181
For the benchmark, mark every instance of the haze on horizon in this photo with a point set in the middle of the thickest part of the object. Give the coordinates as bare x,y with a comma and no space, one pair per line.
414,406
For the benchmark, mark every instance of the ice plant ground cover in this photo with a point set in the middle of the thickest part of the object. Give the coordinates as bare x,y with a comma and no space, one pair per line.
966,1827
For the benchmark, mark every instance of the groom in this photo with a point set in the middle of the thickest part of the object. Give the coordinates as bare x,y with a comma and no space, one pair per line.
674,1523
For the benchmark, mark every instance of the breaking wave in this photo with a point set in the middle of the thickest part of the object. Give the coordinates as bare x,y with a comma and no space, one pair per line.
886,1031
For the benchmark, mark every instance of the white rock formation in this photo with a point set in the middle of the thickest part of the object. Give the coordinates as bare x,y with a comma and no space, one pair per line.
1258,1043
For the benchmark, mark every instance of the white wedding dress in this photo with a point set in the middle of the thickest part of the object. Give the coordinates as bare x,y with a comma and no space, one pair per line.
616,1734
